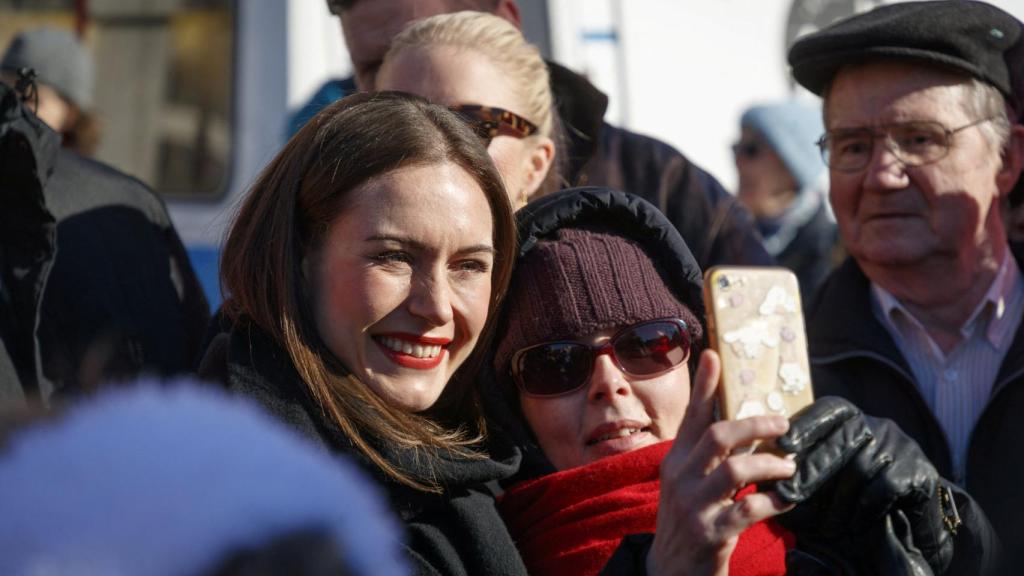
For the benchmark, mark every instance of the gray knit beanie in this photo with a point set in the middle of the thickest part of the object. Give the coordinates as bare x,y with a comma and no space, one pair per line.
580,282
60,61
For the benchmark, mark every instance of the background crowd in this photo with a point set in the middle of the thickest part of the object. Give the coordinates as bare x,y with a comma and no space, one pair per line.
463,328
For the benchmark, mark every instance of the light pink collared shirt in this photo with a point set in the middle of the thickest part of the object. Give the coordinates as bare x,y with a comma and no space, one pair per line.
957,386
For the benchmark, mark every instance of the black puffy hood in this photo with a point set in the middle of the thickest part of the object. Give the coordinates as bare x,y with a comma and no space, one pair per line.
611,212
623,214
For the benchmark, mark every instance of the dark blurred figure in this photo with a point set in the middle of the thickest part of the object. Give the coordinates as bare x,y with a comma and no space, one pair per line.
715,226
922,324
182,480
782,181
95,284
64,84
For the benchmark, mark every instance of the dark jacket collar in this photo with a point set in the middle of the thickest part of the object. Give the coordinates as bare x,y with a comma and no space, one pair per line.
579,102
581,107
842,319
842,322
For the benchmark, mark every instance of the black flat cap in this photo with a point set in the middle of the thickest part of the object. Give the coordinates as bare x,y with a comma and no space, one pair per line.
971,37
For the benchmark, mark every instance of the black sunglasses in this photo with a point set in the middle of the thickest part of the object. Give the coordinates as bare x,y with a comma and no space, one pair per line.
489,122
643,350
746,149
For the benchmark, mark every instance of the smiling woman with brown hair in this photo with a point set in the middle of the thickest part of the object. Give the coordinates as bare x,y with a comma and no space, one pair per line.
361,273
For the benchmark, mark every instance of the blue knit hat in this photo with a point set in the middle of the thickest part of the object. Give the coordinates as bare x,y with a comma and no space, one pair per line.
791,128
177,479
60,61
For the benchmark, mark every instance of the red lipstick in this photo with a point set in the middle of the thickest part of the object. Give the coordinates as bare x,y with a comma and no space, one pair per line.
431,349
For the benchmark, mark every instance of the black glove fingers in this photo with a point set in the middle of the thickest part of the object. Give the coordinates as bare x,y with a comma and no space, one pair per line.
808,426
894,469
886,480
902,483
835,499
817,463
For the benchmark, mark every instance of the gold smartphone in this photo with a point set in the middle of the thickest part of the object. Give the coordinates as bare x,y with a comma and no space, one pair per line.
756,324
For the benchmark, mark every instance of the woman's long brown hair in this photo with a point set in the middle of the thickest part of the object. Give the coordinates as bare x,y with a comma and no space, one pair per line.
286,215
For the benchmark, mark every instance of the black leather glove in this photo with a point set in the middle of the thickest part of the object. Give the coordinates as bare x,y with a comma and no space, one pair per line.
867,499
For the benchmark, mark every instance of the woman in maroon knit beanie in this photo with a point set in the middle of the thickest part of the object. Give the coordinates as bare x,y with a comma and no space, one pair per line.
603,384
580,291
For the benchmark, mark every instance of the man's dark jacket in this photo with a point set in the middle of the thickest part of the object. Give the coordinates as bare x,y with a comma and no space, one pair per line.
714,225
853,356
105,291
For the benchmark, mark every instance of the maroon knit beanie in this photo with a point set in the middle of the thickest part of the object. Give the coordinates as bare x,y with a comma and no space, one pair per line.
580,282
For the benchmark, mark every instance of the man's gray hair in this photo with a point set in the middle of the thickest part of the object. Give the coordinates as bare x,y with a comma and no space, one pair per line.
980,99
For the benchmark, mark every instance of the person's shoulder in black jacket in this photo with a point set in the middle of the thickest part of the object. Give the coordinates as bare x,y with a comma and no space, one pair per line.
95,284
716,227
122,297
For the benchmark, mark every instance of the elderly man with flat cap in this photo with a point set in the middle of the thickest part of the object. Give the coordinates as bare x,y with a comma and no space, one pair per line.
922,324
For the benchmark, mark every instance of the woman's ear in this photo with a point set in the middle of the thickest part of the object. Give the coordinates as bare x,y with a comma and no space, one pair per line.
538,163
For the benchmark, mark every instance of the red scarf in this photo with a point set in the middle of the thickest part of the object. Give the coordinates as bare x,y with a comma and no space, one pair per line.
571,522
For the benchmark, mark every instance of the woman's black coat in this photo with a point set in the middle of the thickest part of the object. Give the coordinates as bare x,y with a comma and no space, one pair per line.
458,532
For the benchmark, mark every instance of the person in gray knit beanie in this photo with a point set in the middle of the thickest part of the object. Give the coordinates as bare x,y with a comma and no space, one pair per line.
64,80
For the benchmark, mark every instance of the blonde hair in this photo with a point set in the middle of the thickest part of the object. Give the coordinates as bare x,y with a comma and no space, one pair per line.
501,42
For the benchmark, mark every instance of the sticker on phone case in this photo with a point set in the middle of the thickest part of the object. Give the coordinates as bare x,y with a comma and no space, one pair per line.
777,300
749,340
750,408
794,380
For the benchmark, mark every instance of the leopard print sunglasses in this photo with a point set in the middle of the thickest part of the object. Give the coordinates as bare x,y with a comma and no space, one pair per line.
490,121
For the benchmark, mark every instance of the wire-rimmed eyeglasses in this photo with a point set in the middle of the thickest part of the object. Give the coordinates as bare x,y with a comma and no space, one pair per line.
913,144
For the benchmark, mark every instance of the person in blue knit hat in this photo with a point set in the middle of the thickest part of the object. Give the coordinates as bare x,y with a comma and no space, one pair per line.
180,478
782,181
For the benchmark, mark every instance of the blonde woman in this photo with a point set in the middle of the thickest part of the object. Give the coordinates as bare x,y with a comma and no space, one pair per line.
480,66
